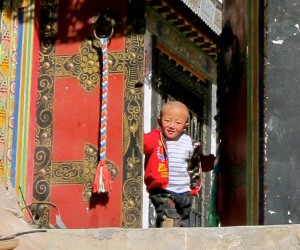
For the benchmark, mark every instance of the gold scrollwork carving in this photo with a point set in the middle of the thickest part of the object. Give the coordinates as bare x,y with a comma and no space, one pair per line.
132,132
86,66
44,110
132,202
81,172
66,173
116,62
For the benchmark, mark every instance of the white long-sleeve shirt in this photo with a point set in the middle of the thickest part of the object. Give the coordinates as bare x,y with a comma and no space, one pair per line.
178,152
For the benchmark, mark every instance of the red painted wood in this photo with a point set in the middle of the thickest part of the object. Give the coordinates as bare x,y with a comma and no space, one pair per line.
76,119
77,214
32,119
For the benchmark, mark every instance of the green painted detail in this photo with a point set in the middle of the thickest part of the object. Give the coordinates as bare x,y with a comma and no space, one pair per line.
252,132
24,104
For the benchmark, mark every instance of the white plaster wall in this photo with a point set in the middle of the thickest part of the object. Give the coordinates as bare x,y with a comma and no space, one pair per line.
147,115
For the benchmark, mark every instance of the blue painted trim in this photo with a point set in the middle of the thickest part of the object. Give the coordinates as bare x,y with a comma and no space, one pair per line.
17,96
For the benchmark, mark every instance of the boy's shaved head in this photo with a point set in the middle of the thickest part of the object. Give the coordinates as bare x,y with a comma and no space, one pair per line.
175,104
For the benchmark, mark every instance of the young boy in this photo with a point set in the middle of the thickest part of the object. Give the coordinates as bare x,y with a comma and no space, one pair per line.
167,181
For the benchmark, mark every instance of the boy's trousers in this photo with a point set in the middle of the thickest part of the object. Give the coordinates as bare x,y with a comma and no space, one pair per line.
171,206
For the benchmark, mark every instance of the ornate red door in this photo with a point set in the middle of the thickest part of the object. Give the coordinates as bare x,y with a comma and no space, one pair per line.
67,117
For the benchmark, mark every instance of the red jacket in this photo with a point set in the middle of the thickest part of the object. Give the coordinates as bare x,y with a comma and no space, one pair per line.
156,162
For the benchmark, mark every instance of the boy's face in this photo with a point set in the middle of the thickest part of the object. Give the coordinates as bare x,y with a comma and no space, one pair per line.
173,121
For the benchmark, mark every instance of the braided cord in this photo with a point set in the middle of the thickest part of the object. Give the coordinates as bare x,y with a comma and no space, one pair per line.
104,99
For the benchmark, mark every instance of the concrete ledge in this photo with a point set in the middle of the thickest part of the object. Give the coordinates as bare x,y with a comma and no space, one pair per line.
247,237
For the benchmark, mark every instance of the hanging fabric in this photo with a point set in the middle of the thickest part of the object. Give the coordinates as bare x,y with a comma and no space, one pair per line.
102,181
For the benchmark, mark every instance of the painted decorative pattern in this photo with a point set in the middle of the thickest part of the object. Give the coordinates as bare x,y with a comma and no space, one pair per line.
133,118
210,11
85,67
196,58
204,193
66,172
116,62
65,66
185,80
81,172
11,94
8,47
44,107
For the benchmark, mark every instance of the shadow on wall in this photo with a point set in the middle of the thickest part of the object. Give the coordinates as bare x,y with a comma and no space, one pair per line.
231,126
76,19
233,59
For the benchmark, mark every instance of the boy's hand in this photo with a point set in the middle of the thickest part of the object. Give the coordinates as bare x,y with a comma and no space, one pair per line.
195,191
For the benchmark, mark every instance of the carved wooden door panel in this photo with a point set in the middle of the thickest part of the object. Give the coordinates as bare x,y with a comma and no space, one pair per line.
67,119
196,97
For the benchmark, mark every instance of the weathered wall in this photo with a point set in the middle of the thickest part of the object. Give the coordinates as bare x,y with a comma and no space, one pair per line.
263,237
282,184
246,238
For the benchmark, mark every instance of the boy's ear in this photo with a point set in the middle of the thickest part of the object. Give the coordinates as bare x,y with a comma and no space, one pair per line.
159,121
186,125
